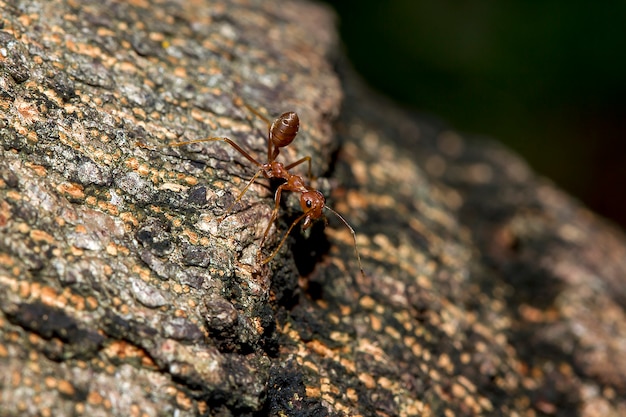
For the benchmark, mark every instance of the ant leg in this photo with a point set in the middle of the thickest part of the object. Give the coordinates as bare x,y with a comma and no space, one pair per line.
214,139
254,111
238,149
273,217
258,114
296,221
298,162
245,189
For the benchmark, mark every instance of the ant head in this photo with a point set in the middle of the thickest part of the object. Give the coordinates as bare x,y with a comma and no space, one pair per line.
284,129
312,203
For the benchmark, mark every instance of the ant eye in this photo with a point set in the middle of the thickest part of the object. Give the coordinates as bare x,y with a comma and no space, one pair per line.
309,203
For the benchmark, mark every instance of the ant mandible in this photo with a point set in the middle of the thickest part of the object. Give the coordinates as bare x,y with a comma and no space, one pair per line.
280,133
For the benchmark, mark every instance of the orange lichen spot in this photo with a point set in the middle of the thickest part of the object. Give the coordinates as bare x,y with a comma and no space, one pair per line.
393,332
41,236
385,383
171,391
333,318
135,411
6,260
39,170
16,379
107,404
531,314
198,115
22,406
50,382
367,380
110,369
472,403
111,249
65,387
177,288
180,72
125,66
311,366
183,401
77,301
466,383
367,302
132,163
80,228
348,364
27,110
146,361
35,368
313,392
202,407
32,355
375,323
434,374
328,398
94,398
50,297
108,207
14,195
128,217
340,337
320,348
22,130
76,251
73,190
458,390
190,180
12,337
79,408
193,236
24,289
171,186
143,169
91,303
4,217
444,362
352,395
102,32
122,350
4,352
144,273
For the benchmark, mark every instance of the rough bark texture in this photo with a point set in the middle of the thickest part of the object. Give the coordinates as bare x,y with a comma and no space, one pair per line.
486,290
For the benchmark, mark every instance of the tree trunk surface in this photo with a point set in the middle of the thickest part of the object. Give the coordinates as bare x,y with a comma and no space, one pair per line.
129,286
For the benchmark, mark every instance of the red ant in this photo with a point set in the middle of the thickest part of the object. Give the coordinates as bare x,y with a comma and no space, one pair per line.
280,133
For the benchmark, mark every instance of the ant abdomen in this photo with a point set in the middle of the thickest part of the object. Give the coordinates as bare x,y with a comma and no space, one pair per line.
284,129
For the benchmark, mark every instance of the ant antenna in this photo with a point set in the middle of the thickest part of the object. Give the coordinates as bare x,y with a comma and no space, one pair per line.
356,250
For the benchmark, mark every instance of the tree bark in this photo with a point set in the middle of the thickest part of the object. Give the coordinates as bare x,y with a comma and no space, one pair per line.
486,290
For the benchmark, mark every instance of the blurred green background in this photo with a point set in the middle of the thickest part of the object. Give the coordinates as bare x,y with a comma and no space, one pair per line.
547,78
